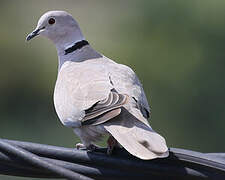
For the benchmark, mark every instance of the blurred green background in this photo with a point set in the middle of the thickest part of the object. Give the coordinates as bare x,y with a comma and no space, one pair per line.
177,48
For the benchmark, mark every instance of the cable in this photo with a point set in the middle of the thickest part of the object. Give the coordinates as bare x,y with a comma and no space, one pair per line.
40,163
16,158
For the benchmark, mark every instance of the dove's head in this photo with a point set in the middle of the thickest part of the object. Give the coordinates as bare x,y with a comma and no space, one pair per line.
58,26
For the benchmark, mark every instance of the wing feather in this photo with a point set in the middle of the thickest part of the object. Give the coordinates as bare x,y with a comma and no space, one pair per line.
104,110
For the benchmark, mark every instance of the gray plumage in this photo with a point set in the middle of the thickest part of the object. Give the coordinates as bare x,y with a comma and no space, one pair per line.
95,95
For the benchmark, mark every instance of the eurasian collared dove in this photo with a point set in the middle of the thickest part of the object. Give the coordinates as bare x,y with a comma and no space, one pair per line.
95,95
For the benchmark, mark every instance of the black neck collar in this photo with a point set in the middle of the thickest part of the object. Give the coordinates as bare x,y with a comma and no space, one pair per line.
77,45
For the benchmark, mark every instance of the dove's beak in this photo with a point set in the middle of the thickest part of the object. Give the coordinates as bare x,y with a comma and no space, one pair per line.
35,33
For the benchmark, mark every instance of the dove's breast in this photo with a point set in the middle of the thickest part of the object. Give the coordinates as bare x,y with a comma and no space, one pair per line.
65,99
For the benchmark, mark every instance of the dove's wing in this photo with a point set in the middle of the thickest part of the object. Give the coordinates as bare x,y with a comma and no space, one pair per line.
130,126
104,110
125,81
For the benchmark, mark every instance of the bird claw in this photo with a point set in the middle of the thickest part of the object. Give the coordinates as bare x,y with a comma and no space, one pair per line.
91,147
80,146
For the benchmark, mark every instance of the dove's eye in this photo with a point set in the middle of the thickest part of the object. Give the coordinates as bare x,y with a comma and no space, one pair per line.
51,21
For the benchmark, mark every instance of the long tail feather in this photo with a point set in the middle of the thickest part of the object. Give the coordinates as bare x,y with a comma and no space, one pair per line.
136,137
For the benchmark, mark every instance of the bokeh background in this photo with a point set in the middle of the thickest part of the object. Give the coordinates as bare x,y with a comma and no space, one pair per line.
177,48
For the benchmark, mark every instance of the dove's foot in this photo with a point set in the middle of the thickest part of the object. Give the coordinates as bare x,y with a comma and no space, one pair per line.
91,147
112,143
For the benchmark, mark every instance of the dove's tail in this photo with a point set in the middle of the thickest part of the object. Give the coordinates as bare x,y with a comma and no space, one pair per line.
138,138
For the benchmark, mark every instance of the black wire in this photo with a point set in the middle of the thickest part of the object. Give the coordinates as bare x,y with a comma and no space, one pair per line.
181,164
38,162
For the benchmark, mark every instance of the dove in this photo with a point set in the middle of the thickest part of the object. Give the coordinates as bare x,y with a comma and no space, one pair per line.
95,96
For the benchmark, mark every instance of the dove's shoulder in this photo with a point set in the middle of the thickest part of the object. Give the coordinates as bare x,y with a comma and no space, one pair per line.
125,81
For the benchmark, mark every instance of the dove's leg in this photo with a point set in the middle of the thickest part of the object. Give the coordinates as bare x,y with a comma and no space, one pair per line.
112,143
88,135
86,143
